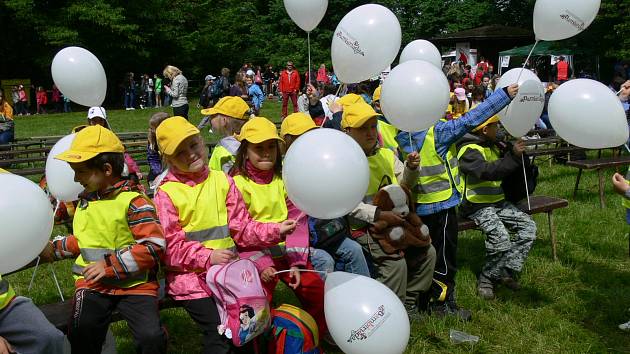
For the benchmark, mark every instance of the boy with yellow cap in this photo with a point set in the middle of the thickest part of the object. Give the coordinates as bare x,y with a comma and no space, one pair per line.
204,219
484,164
293,126
227,117
359,121
439,192
386,131
119,244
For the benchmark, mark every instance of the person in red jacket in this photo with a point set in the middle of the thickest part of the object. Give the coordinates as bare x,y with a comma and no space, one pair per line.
42,100
289,86
563,70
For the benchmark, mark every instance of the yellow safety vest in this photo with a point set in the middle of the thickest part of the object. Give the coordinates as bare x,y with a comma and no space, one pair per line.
478,190
220,157
6,293
3,171
101,228
381,173
266,203
202,211
388,133
434,184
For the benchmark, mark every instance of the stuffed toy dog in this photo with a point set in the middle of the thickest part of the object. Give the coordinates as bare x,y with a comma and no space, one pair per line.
395,236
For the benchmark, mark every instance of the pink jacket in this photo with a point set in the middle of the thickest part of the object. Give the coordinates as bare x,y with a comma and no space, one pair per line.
296,249
185,260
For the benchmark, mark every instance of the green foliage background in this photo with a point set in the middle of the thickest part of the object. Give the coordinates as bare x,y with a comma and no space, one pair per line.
200,37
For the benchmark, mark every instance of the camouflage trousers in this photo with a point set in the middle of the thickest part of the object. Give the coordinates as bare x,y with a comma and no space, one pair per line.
505,251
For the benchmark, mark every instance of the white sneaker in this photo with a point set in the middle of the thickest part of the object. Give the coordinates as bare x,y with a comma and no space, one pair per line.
625,326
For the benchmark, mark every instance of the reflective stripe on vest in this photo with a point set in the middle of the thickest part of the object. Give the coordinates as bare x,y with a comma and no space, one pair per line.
625,201
6,293
202,211
221,158
102,228
482,191
266,203
388,133
381,165
435,183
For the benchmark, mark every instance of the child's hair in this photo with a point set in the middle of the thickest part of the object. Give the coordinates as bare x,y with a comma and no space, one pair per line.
155,120
478,92
459,106
171,71
241,159
115,159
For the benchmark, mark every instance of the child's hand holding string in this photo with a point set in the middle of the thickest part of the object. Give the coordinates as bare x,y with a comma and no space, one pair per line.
295,276
413,160
287,227
512,90
268,274
221,256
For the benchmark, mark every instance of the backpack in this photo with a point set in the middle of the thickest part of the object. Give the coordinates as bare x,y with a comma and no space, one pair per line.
293,331
241,300
328,234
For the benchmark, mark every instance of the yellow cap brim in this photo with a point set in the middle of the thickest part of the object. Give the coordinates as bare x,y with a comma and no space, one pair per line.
170,150
76,156
212,111
357,124
259,138
297,130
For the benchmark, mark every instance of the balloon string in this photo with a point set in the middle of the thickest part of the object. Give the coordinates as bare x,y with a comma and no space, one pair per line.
56,207
411,142
529,207
52,270
618,92
627,148
526,60
33,276
308,40
300,270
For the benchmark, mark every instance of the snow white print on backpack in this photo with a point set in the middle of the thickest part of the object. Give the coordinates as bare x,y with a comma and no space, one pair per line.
241,300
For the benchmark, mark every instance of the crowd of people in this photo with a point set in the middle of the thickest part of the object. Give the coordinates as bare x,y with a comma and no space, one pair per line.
209,210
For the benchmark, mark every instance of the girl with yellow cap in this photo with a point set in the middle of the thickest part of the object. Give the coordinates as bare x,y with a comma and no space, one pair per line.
204,220
258,176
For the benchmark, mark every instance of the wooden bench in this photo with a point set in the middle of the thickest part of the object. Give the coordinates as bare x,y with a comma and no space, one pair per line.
539,204
597,164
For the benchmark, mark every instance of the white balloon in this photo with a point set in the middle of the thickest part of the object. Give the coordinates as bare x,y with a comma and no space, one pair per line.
421,49
588,114
560,19
306,14
510,77
26,216
364,316
525,109
521,114
415,95
80,76
326,173
365,42
59,174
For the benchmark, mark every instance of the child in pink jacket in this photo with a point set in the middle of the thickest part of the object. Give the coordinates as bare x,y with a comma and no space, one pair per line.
257,176
204,220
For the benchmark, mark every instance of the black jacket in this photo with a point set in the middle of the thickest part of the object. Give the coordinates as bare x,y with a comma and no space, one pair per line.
473,163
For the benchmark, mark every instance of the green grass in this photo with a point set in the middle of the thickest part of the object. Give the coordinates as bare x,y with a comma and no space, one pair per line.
570,306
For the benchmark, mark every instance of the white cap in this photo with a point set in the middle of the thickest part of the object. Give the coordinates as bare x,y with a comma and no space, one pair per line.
250,72
97,112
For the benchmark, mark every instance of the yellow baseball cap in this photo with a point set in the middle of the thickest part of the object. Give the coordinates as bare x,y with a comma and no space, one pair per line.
350,99
377,93
3,170
230,106
172,131
490,120
89,142
354,116
296,124
257,130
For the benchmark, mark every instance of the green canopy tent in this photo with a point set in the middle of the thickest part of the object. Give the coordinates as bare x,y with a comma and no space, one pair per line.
552,49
